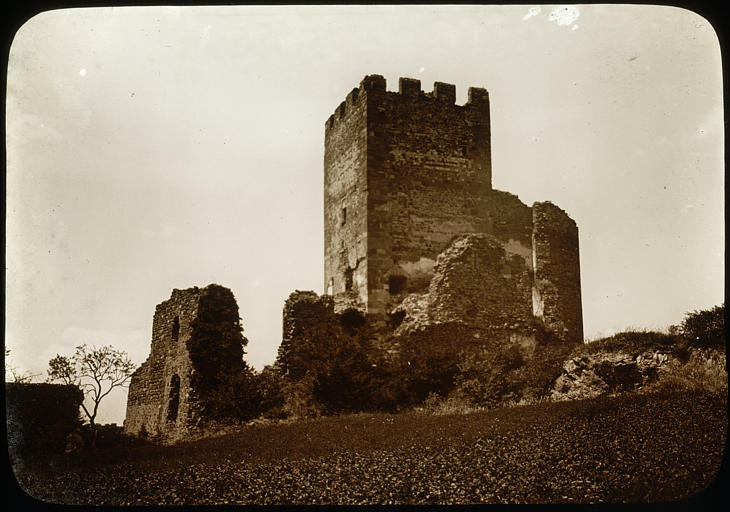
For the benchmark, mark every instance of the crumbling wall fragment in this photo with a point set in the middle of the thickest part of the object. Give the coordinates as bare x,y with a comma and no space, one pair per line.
306,317
557,293
476,283
197,345
151,383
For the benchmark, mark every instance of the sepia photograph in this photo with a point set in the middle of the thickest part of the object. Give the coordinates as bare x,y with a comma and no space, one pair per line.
365,255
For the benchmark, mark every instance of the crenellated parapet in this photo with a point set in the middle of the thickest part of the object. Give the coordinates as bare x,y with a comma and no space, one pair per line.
408,89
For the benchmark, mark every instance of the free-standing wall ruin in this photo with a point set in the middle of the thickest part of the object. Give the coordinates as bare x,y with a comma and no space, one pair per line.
196,342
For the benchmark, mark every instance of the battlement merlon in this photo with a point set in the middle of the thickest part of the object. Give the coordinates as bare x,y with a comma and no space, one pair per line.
478,97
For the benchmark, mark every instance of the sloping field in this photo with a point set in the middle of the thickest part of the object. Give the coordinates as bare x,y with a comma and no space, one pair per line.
629,448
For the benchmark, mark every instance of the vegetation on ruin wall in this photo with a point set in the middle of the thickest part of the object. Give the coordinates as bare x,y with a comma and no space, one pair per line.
328,369
334,370
448,360
222,381
40,416
326,365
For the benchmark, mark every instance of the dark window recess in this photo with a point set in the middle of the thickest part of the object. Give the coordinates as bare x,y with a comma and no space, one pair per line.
343,217
348,279
351,320
174,401
397,318
397,284
175,328
463,151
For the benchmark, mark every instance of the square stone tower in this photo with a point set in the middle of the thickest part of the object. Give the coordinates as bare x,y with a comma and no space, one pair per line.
404,173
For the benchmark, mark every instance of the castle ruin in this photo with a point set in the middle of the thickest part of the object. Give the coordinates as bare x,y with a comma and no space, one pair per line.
406,174
416,240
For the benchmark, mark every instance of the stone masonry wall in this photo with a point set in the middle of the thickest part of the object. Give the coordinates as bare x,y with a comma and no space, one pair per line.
149,390
404,173
476,279
345,199
476,283
556,292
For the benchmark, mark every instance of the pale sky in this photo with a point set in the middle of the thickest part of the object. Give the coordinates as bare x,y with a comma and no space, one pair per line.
152,148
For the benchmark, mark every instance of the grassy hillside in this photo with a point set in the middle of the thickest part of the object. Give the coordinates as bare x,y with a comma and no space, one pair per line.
628,448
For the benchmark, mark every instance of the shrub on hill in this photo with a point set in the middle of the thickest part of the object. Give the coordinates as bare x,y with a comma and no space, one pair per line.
429,360
269,385
490,375
632,342
326,363
704,370
706,328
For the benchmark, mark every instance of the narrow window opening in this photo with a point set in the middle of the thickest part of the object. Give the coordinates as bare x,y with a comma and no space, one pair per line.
348,279
343,217
174,400
175,328
397,284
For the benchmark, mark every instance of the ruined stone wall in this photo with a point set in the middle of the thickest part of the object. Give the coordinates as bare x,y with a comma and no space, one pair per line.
556,292
148,399
477,280
478,284
305,313
197,348
510,221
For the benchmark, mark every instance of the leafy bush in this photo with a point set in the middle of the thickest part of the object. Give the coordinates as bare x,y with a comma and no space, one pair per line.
327,360
705,329
429,359
223,382
491,375
632,342
342,379
270,390
705,370
541,370
235,396
452,404
300,401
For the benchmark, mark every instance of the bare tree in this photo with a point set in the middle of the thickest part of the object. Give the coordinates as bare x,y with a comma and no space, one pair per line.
95,370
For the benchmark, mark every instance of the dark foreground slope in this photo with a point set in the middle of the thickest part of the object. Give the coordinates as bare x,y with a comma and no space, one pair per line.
629,448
